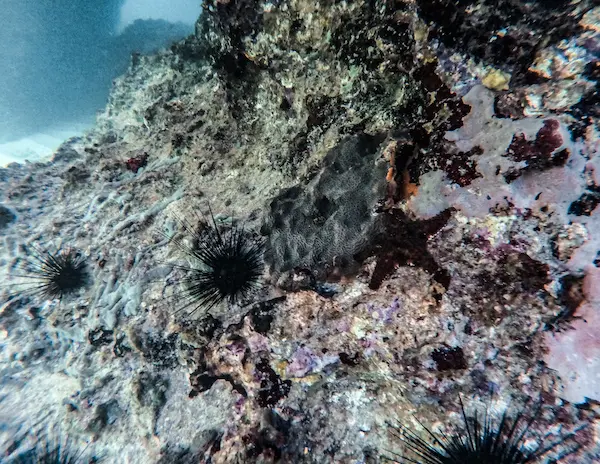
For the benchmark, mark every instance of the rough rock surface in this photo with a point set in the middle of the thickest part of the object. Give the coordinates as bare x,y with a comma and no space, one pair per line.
447,155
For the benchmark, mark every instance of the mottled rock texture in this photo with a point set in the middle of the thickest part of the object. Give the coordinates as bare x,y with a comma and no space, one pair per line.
425,175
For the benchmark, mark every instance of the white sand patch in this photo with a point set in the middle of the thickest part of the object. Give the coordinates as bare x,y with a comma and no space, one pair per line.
40,146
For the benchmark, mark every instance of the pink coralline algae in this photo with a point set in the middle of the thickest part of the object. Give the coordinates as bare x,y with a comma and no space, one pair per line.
385,315
575,353
258,343
304,361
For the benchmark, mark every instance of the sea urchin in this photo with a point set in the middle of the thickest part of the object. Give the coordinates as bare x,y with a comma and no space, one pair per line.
49,453
54,275
480,441
49,446
54,450
224,264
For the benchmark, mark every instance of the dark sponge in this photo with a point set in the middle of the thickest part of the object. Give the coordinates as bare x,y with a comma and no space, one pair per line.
333,215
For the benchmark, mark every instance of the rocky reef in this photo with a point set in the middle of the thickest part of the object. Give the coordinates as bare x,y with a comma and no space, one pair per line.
424,175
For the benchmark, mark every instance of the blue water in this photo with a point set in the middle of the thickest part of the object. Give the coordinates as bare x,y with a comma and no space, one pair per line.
59,58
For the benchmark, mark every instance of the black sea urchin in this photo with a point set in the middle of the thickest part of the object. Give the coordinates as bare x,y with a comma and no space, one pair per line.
50,453
54,453
480,441
54,275
225,264
50,448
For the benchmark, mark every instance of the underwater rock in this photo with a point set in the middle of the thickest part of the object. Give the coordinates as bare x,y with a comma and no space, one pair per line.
428,233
